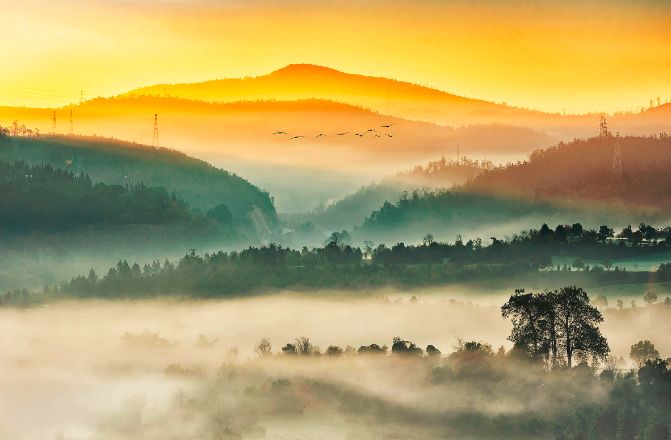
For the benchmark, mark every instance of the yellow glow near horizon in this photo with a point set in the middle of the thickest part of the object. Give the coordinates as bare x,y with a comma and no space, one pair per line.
578,56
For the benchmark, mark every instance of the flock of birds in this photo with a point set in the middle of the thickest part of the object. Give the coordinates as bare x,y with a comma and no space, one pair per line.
373,132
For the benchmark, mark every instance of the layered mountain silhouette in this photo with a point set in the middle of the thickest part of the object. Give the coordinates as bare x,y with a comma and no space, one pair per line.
330,134
319,119
389,97
307,81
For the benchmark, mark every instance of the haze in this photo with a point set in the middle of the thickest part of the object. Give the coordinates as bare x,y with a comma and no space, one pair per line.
586,56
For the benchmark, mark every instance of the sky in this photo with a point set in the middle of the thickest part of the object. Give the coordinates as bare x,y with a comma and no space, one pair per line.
555,56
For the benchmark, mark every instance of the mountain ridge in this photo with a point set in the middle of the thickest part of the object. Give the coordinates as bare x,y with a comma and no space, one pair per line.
305,81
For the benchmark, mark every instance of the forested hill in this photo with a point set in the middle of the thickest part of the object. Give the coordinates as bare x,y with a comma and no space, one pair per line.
43,199
120,163
353,209
589,171
571,182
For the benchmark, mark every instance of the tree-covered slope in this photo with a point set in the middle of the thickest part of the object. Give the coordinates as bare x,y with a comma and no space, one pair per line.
353,209
120,163
569,182
630,172
44,199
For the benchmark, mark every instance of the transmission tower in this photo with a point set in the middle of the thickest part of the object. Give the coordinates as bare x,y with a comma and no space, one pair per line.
71,125
603,127
53,122
154,139
617,161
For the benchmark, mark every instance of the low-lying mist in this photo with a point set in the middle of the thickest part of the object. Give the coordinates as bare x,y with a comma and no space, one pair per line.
167,369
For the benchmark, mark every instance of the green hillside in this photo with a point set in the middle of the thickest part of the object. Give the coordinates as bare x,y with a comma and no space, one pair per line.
117,162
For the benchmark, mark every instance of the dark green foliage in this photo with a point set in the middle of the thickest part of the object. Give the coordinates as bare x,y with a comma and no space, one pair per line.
556,325
373,349
643,351
221,213
442,208
42,198
405,348
351,210
338,265
111,161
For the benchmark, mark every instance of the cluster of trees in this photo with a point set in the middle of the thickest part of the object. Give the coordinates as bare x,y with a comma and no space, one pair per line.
46,199
533,246
556,325
302,346
17,129
444,172
438,166
423,208
339,265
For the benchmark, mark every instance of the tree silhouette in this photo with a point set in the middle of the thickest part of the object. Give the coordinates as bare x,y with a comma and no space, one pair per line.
643,351
650,297
552,321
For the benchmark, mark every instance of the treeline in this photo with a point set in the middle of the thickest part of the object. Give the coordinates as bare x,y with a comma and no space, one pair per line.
338,265
535,247
443,171
441,209
45,199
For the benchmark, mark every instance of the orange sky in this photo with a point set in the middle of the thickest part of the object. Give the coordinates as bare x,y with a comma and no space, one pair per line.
581,56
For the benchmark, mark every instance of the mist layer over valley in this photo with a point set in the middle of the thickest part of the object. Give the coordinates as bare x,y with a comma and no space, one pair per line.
175,369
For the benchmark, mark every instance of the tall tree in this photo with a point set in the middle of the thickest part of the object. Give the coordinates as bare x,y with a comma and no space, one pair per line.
526,312
551,322
578,321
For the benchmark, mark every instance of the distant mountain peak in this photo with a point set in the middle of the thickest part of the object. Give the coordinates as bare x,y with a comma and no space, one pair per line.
303,68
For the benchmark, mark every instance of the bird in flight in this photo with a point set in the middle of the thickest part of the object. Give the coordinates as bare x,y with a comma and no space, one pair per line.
342,134
386,126
295,137
320,135
390,135
377,135
359,134
280,132
370,129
